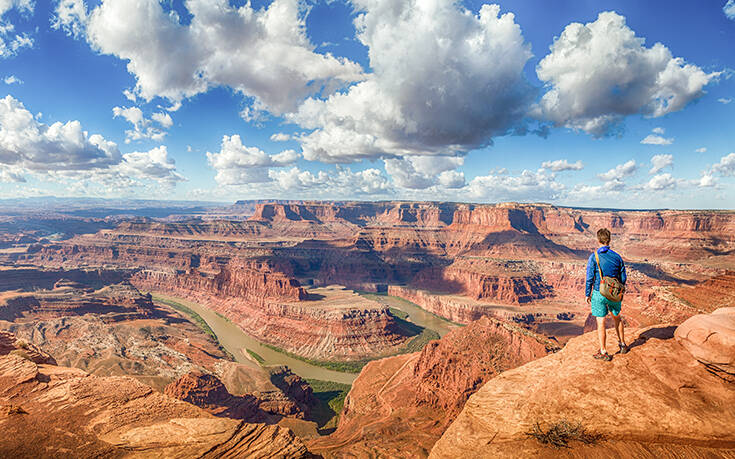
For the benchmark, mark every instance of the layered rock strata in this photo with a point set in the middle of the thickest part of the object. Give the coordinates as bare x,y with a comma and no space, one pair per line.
655,401
51,411
399,406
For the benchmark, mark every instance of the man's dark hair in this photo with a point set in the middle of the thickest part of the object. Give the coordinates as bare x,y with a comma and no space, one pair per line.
603,235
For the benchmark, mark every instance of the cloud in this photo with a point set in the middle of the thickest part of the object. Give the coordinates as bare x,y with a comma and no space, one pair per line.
656,138
729,9
661,182
369,182
619,172
71,17
237,164
143,128
562,165
701,150
660,162
280,137
443,81
598,73
707,181
528,186
724,101
11,175
65,152
11,42
264,54
12,79
153,165
726,166
591,193
30,144
421,172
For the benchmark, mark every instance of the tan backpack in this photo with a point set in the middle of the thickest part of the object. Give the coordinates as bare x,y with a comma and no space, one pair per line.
610,287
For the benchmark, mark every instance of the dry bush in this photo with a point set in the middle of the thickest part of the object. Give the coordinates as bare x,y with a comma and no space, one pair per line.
560,433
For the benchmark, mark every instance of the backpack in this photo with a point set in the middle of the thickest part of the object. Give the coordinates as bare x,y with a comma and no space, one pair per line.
610,287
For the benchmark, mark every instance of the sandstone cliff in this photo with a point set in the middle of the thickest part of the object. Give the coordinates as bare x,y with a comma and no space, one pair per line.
50,411
399,406
655,401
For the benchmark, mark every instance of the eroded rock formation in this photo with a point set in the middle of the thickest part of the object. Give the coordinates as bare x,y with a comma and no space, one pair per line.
655,401
399,406
50,411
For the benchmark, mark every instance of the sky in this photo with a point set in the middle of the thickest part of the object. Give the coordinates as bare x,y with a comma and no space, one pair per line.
616,104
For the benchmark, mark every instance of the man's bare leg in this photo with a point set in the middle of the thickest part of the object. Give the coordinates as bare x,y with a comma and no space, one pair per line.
601,333
619,329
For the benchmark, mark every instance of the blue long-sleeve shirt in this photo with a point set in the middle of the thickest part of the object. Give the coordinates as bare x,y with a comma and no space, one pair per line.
612,265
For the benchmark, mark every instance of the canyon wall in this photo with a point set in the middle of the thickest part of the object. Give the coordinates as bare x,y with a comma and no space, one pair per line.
399,406
296,324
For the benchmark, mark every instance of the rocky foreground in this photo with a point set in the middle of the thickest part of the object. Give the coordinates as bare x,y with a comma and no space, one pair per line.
52,411
662,399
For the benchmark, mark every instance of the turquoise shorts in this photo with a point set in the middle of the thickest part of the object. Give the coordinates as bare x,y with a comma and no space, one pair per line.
601,305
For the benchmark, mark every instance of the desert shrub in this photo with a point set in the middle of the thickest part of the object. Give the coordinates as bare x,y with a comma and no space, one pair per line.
21,353
560,433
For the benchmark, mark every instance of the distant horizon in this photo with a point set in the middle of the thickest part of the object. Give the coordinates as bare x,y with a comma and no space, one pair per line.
180,203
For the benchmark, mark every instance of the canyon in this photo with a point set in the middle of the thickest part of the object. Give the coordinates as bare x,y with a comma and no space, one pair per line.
354,289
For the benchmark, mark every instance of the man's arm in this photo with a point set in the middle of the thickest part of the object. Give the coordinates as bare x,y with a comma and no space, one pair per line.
623,276
591,272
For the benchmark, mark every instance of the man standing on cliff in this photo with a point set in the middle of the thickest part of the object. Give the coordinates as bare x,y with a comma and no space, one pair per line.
611,264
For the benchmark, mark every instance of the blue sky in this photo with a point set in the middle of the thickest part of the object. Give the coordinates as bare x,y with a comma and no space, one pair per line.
591,103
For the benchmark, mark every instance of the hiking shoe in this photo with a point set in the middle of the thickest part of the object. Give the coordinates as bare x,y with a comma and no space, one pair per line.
623,348
600,356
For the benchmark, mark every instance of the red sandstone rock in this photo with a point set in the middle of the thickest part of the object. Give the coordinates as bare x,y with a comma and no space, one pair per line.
58,411
208,392
399,406
655,401
710,338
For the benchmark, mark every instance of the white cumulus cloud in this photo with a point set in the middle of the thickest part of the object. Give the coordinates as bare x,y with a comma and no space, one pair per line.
12,79
600,72
264,54
238,164
154,164
656,137
729,9
560,165
661,182
726,166
28,143
620,171
143,128
724,101
421,172
369,182
660,162
10,41
280,137
444,81
528,186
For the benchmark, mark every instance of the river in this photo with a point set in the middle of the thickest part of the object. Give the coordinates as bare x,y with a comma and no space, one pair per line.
416,314
235,341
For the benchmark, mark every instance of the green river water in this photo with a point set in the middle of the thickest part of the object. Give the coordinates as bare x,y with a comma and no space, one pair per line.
236,341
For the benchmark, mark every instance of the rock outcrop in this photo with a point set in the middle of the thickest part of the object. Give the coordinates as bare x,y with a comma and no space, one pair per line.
399,406
710,338
114,330
655,401
50,411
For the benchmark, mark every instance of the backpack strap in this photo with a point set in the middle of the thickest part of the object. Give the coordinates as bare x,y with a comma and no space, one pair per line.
597,257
